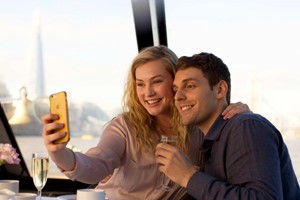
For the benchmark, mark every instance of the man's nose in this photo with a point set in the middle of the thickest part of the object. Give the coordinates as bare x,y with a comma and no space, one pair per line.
179,95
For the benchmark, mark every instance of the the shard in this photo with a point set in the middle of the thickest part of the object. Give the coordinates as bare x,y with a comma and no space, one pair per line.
36,85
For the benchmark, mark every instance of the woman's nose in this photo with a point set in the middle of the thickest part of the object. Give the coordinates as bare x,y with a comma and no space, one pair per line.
149,91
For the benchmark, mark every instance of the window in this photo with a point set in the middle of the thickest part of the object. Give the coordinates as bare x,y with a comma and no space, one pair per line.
259,41
86,47
82,47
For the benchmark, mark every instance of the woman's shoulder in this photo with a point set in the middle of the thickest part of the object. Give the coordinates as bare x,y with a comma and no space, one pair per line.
118,127
118,123
117,120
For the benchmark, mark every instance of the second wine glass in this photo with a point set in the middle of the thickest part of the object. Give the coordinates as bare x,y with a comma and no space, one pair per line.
172,140
39,170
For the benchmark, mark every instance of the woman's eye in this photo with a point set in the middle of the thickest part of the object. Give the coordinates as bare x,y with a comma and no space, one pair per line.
139,84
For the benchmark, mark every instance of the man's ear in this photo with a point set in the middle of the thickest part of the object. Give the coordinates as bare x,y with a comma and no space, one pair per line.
221,89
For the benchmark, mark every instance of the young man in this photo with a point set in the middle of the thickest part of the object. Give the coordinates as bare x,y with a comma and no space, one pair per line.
241,158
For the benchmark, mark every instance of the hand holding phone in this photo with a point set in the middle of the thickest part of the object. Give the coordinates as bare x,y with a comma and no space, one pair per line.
59,106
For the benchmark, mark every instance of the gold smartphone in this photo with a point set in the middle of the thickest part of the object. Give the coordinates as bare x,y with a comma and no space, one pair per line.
59,106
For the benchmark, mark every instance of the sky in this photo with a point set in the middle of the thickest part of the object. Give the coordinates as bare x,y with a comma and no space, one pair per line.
258,40
83,47
88,47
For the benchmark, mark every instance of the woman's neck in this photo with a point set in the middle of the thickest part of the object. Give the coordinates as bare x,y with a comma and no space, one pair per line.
164,125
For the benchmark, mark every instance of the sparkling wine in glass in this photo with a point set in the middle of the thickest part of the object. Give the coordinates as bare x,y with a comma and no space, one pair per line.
172,140
39,169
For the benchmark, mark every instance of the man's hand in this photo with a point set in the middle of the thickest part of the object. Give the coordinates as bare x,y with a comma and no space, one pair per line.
174,163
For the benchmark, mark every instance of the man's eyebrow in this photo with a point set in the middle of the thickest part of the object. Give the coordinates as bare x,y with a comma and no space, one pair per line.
188,79
174,86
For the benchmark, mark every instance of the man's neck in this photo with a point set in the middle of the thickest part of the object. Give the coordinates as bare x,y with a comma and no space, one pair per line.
206,125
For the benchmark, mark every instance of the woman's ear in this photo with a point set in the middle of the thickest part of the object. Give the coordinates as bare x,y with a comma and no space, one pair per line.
221,89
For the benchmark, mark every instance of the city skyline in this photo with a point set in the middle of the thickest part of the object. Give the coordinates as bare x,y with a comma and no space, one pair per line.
88,47
84,52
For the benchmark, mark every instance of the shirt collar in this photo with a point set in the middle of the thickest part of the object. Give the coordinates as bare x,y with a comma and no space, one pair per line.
215,130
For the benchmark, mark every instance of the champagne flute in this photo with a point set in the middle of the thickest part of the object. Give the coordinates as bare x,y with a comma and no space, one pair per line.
172,140
39,169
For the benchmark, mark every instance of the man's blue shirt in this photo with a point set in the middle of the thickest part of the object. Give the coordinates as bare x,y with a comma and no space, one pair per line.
244,158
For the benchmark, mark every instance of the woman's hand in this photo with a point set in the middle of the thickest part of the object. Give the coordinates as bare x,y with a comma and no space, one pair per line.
62,156
234,109
51,132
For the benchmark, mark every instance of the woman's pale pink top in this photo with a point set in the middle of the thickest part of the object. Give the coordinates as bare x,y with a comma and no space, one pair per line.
135,175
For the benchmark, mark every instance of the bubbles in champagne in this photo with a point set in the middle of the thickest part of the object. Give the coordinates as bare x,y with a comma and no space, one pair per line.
40,171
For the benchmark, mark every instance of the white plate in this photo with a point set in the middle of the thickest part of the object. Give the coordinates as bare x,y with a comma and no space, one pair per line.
67,197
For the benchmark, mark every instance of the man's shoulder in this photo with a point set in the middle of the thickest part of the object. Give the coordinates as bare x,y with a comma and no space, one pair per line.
248,116
250,119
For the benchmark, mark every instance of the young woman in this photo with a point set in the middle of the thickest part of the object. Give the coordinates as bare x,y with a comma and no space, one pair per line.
126,148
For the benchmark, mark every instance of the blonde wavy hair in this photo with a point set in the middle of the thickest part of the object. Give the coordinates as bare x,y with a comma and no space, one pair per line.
136,115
